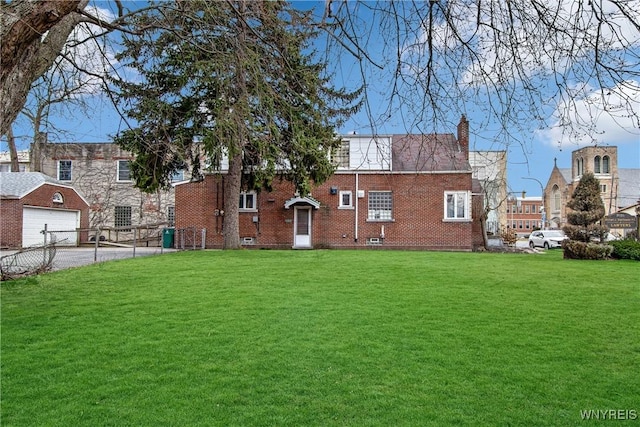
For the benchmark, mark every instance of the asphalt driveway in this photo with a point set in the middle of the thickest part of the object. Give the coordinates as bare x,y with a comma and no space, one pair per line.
77,257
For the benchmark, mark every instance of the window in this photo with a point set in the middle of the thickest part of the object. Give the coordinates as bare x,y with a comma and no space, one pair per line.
380,204
533,209
178,176
124,170
480,173
123,216
556,198
455,205
64,170
579,167
345,199
171,215
57,198
603,188
605,164
527,209
527,224
340,157
248,201
596,164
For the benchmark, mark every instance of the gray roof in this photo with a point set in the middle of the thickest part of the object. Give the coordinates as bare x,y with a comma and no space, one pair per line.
566,174
628,187
428,152
19,184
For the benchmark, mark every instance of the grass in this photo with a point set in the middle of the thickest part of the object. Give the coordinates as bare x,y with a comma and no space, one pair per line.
357,338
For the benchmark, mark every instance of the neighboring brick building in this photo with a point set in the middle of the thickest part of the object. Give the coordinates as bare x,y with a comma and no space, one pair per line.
401,191
31,200
525,214
100,172
620,187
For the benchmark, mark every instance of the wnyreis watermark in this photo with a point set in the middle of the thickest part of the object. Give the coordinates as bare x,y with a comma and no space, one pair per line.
609,414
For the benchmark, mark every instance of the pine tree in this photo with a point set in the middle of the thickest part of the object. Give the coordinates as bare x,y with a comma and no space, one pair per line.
231,79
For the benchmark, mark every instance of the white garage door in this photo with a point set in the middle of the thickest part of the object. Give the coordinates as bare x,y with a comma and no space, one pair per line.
34,219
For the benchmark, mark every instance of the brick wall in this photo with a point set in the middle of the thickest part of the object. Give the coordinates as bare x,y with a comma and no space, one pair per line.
418,210
10,223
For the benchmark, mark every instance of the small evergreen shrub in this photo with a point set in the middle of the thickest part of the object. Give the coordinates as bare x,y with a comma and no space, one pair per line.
574,249
626,249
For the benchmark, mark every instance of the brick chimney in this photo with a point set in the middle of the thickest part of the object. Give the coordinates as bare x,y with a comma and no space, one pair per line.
463,135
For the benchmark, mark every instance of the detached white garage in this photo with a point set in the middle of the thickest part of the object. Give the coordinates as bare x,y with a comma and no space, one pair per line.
59,221
31,200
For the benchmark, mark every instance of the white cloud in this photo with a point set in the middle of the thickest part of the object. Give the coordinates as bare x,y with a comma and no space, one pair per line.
92,55
604,117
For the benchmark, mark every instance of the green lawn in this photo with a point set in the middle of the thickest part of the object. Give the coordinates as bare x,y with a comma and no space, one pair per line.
357,338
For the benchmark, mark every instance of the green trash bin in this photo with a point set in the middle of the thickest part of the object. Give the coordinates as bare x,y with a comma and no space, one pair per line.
167,237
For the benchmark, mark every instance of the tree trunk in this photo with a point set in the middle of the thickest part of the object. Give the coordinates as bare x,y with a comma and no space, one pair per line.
26,54
13,152
231,223
483,226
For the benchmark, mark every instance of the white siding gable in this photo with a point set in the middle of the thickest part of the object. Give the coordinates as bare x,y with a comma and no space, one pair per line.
369,152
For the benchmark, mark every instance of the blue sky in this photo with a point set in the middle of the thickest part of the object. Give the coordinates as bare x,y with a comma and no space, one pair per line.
531,148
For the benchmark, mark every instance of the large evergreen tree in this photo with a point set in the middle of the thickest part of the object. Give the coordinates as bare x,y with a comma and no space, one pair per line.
229,80
587,210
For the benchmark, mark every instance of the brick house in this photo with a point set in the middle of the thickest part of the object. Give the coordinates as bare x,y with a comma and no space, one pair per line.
29,200
100,172
396,191
525,214
619,187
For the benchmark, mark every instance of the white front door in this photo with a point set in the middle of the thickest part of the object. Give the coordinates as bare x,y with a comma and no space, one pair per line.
302,227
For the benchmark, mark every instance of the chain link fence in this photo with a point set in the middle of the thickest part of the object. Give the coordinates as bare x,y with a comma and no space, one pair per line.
27,262
63,249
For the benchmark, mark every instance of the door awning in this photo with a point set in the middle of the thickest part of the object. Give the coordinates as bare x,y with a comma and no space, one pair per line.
302,201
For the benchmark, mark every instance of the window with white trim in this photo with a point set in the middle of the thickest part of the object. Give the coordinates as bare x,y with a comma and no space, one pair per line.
124,171
64,170
456,205
248,201
346,199
380,206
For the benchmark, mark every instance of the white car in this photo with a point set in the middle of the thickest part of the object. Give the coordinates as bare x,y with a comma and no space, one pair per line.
547,239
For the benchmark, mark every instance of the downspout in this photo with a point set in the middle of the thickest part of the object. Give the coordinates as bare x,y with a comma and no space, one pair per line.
355,233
